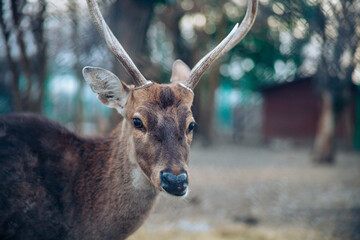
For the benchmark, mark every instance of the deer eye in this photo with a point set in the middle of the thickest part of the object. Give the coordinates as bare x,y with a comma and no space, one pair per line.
191,126
138,123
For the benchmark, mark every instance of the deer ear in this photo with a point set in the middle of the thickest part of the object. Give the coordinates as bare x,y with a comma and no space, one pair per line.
180,72
110,90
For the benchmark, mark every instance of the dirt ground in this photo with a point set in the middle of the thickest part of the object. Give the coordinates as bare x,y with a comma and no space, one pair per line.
240,192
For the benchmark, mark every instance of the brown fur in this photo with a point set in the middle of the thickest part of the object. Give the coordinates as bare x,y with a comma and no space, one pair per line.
57,185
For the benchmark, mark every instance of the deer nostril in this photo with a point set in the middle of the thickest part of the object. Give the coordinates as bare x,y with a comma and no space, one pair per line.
182,177
167,177
174,184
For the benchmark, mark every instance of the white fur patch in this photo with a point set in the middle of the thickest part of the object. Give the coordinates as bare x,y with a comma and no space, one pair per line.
139,180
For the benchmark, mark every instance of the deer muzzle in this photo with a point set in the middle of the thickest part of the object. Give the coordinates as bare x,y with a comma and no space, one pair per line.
174,184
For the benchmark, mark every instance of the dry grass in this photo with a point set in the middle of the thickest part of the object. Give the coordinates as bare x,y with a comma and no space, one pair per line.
236,232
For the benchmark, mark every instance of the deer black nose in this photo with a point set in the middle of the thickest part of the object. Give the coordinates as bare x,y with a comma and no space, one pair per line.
174,184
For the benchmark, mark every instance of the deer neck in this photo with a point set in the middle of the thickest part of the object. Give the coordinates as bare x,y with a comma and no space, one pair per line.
135,193
118,193
123,160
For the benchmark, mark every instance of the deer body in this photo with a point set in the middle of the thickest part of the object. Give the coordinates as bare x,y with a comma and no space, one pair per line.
84,189
55,184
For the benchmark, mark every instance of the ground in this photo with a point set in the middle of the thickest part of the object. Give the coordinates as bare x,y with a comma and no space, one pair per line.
243,192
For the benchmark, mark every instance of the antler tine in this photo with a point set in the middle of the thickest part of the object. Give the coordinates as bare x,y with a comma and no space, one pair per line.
232,39
198,70
114,45
244,27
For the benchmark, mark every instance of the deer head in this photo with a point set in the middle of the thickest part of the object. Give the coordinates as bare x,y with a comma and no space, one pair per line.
157,118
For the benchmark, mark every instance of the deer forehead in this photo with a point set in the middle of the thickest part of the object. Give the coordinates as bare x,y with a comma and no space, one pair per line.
160,99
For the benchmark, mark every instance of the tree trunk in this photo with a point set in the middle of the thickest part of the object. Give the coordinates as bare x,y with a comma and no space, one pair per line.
39,71
79,104
208,108
129,21
12,68
324,147
32,68
357,119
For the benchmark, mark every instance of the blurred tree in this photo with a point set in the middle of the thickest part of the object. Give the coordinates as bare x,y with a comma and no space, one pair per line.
326,37
22,28
339,34
130,20
76,38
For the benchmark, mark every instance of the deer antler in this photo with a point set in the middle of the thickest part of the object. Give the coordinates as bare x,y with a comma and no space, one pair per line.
114,45
232,39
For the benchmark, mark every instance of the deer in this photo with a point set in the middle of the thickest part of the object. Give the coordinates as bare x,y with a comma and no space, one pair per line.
55,184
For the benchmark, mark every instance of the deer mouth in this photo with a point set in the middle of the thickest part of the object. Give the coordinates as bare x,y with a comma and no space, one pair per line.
176,193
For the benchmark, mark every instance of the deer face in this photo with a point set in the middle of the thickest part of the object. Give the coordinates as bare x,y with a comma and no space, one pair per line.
162,125
160,122
160,115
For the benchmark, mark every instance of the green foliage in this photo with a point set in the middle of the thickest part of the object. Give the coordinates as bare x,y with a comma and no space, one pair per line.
150,2
263,44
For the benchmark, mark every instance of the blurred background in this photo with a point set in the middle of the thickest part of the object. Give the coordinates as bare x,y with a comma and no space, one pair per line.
275,154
